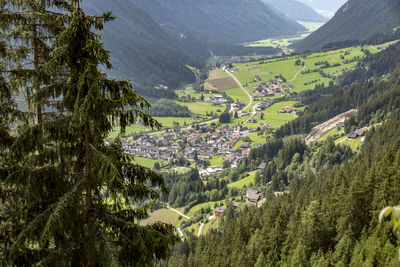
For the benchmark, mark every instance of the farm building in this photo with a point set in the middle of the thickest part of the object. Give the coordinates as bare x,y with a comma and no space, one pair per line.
219,211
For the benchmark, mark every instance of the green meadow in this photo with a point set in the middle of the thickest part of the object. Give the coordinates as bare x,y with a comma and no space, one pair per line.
245,181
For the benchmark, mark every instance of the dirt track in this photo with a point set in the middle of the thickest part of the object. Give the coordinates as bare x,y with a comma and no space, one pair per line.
319,130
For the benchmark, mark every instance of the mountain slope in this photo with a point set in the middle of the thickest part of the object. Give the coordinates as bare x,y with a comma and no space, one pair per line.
356,20
140,48
296,10
223,21
331,5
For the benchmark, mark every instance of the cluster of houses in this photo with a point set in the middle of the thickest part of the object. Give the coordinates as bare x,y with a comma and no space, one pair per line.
273,88
192,144
253,197
357,133
290,110
216,100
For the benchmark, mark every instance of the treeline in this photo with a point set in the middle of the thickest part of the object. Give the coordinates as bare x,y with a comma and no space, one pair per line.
168,108
326,219
188,189
378,38
372,66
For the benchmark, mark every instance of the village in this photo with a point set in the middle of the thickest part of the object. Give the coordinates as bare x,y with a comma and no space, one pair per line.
195,143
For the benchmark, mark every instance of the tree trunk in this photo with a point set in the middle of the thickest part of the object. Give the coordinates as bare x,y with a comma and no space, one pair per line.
89,200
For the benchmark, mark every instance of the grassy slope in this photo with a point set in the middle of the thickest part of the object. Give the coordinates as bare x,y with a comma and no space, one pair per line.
245,181
162,215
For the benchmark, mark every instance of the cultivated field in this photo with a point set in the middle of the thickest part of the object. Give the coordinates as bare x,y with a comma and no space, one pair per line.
219,80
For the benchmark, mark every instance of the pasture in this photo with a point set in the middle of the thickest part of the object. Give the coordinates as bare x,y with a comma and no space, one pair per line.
244,182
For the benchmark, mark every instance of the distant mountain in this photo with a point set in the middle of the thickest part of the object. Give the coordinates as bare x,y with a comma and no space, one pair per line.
140,49
222,21
357,20
296,10
330,5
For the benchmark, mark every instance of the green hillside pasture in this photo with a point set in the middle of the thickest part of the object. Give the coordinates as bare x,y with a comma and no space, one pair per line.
354,144
277,42
301,79
148,163
288,69
332,133
267,71
201,108
210,204
162,215
245,181
236,94
273,119
216,161
129,130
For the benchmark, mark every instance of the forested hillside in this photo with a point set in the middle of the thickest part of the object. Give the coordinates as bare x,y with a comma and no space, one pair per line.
326,219
357,20
296,10
224,21
141,50
323,199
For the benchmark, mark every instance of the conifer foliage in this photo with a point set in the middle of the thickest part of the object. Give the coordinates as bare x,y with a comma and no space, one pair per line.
69,198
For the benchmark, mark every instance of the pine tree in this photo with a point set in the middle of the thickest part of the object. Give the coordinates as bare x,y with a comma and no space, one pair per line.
261,261
59,182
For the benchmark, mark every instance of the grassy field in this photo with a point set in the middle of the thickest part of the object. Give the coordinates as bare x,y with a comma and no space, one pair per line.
216,161
146,162
202,108
268,69
237,94
277,42
245,181
162,215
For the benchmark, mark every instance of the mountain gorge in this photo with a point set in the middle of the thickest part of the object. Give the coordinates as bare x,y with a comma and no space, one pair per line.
296,10
141,49
153,41
357,20
225,21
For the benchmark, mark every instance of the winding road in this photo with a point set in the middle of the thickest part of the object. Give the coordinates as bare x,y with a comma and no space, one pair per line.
177,211
241,87
297,73
247,93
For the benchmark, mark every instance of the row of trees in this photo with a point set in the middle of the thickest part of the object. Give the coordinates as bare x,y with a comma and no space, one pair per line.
64,190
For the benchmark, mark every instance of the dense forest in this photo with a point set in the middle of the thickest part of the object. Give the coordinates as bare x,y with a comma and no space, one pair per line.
327,218
167,108
64,189
326,213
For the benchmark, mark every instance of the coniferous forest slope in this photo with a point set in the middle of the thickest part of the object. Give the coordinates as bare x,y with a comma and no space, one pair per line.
357,20
141,50
296,10
328,214
224,21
